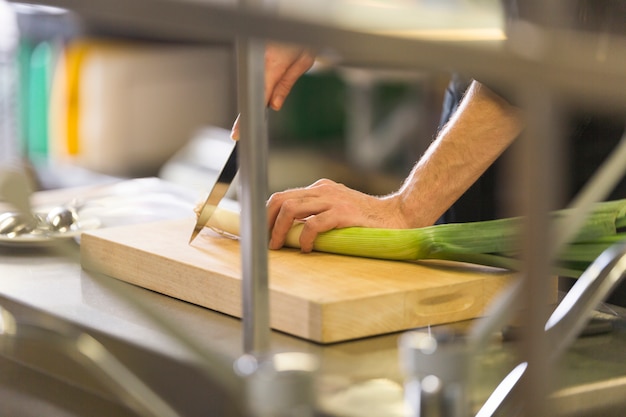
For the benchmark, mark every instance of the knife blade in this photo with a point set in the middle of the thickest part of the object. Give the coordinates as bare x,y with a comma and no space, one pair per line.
217,192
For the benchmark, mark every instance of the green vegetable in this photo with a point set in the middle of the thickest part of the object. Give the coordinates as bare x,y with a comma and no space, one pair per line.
493,243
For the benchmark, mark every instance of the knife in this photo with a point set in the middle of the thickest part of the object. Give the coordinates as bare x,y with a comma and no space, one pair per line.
217,192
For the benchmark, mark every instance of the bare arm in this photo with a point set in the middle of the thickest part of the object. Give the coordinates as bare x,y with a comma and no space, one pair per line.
483,127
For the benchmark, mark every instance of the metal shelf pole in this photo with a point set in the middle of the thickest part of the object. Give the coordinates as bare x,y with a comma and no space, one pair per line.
253,183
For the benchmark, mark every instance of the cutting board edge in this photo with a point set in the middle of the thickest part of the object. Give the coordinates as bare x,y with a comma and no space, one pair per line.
472,305
93,260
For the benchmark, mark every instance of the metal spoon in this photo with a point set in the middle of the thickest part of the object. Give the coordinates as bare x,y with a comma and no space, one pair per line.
14,223
61,219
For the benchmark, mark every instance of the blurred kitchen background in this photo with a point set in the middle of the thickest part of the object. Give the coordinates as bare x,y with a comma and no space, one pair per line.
96,104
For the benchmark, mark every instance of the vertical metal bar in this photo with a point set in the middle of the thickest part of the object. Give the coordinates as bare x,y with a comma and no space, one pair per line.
253,195
541,174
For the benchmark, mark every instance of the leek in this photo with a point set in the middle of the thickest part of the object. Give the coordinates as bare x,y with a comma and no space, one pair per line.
492,243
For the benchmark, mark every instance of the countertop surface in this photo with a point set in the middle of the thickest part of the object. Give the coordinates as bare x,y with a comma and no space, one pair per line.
362,377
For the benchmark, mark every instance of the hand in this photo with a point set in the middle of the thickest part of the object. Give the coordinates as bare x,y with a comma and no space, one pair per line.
327,205
284,64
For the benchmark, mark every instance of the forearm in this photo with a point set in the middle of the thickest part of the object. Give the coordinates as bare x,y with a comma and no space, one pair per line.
483,127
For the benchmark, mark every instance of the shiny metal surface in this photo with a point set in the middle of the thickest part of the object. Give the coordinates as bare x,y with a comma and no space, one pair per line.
210,21
61,218
593,287
539,177
219,189
14,223
91,354
354,378
254,190
436,368
565,323
49,373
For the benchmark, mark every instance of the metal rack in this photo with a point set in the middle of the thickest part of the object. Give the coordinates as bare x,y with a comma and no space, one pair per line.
556,72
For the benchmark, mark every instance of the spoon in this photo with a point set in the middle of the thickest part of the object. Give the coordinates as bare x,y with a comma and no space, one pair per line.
61,218
13,224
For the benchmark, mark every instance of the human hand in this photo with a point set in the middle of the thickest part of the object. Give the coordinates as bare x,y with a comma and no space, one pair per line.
284,64
327,205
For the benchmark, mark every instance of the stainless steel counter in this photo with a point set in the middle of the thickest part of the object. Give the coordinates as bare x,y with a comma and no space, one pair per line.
356,378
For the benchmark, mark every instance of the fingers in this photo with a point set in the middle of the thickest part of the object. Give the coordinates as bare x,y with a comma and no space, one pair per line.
284,64
294,209
321,206
313,226
283,86
290,204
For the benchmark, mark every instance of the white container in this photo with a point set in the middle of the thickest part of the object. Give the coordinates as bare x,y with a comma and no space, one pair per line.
134,105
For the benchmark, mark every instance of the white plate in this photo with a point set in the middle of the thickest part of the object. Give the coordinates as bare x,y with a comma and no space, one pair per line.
84,223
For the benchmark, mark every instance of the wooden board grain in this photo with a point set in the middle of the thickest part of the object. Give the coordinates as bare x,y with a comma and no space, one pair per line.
317,296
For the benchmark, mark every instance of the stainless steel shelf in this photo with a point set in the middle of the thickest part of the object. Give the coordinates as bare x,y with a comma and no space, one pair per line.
569,63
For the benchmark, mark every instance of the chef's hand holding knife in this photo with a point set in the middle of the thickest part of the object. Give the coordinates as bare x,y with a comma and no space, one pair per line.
324,205
284,64
482,129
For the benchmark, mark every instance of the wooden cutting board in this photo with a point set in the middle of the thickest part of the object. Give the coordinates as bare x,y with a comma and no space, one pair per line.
317,296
